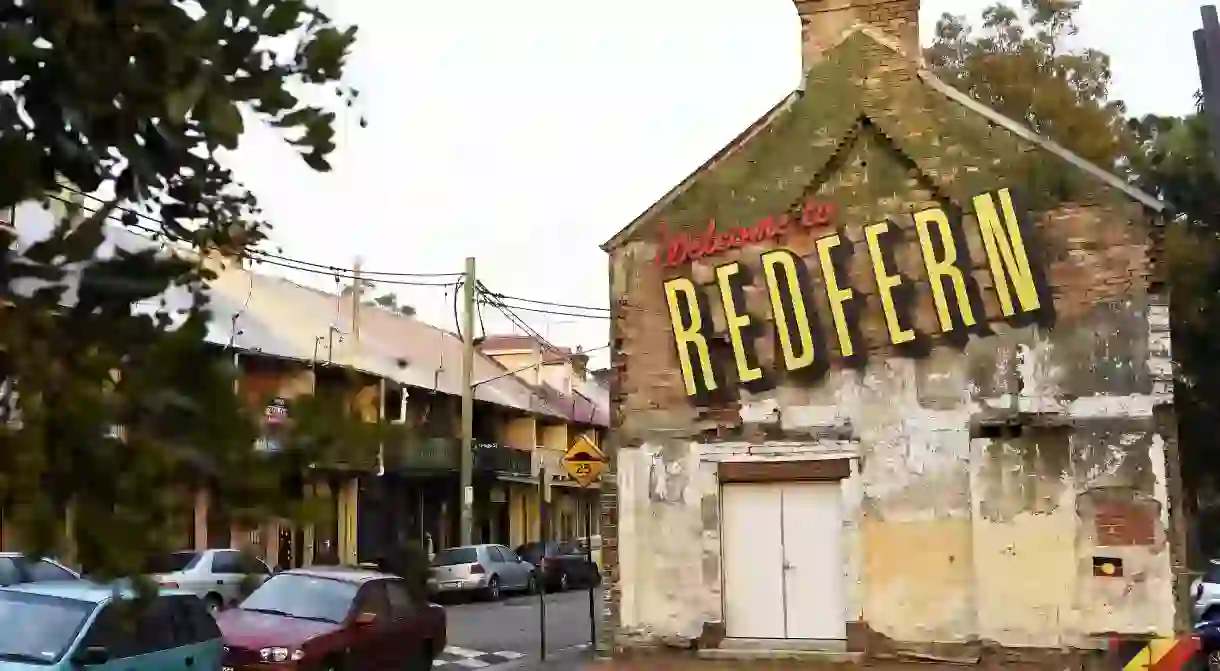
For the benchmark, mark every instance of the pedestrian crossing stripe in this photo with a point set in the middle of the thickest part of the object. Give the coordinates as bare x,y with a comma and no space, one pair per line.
1158,654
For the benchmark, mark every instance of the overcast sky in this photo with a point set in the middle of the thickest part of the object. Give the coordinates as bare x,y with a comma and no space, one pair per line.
527,132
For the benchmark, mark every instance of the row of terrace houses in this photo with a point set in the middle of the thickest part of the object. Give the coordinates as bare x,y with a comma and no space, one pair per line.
290,340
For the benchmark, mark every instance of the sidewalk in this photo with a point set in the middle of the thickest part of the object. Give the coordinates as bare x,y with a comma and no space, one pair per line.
583,660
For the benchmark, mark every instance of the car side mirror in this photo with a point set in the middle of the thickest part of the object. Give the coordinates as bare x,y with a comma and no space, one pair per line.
92,656
364,619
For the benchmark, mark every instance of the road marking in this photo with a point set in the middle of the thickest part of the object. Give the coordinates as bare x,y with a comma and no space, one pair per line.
454,657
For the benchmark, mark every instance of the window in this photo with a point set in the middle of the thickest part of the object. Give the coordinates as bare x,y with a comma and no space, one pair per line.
455,556
373,599
402,606
45,571
172,563
9,575
1212,575
304,596
531,552
252,565
509,556
493,553
155,630
112,631
227,562
39,628
192,623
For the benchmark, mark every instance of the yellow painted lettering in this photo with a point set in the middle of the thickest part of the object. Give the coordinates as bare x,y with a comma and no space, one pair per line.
787,292
886,283
729,278
836,294
938,269
1010,269
678,292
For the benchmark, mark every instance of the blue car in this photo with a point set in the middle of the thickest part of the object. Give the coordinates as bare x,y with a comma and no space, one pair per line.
64,626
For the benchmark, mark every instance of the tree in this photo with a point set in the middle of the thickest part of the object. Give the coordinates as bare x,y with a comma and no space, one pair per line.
390,302
1025,70
136,99
1174,161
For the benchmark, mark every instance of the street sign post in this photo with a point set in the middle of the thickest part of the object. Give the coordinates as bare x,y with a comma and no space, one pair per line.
584,461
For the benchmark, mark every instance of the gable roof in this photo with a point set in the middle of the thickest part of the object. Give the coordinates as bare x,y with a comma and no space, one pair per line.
910,105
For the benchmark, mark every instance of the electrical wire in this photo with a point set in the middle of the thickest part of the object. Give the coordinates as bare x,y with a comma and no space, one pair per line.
524,326
482,325
552,304
546,312
259,256
457,322
281,261
278,257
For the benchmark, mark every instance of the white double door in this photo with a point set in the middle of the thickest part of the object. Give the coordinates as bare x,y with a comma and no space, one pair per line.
783,560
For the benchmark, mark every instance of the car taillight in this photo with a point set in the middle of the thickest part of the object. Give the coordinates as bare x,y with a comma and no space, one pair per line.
477,569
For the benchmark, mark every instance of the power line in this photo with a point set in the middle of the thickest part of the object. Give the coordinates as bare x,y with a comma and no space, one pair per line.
521,323
547,303
259,256
545,312
278,257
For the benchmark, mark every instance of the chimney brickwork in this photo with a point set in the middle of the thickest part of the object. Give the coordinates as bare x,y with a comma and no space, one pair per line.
823,21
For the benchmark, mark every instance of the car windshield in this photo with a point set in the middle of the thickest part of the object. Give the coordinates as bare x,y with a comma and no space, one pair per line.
39,629
455,556
303,596
171,563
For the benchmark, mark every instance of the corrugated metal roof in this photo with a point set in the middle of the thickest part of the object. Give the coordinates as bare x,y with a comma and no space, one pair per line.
399,348
34,223
280,318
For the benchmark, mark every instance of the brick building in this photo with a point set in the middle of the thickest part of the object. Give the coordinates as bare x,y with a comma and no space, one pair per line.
881,385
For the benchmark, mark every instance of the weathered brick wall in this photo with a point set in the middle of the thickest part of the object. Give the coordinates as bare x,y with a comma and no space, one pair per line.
983,536
823,20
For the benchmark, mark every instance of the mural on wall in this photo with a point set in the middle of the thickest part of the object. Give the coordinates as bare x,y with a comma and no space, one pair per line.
800,345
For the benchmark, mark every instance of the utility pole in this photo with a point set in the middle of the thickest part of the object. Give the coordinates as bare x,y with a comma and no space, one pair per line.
466,520
357,288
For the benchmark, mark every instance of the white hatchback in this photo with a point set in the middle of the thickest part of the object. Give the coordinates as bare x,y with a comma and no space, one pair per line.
215,576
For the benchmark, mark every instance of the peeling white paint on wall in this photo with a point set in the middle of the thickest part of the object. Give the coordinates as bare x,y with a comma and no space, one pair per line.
946,537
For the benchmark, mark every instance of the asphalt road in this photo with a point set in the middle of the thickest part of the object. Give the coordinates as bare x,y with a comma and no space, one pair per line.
479,630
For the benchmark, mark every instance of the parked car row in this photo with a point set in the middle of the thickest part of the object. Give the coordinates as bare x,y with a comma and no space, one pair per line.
490,570
324,618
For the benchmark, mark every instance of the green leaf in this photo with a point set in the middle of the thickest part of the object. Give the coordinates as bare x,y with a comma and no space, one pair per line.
180,102
226,120
283,18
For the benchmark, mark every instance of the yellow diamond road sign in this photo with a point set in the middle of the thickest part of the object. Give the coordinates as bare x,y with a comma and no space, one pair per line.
584,462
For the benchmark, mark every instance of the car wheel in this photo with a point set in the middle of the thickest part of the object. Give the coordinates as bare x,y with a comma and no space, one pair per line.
493,589
1213,660
214,603
422,659
531,586
563,581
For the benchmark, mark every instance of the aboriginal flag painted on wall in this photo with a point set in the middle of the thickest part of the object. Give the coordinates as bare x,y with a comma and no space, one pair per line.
1158,654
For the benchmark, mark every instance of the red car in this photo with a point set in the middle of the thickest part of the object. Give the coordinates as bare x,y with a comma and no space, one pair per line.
332,618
